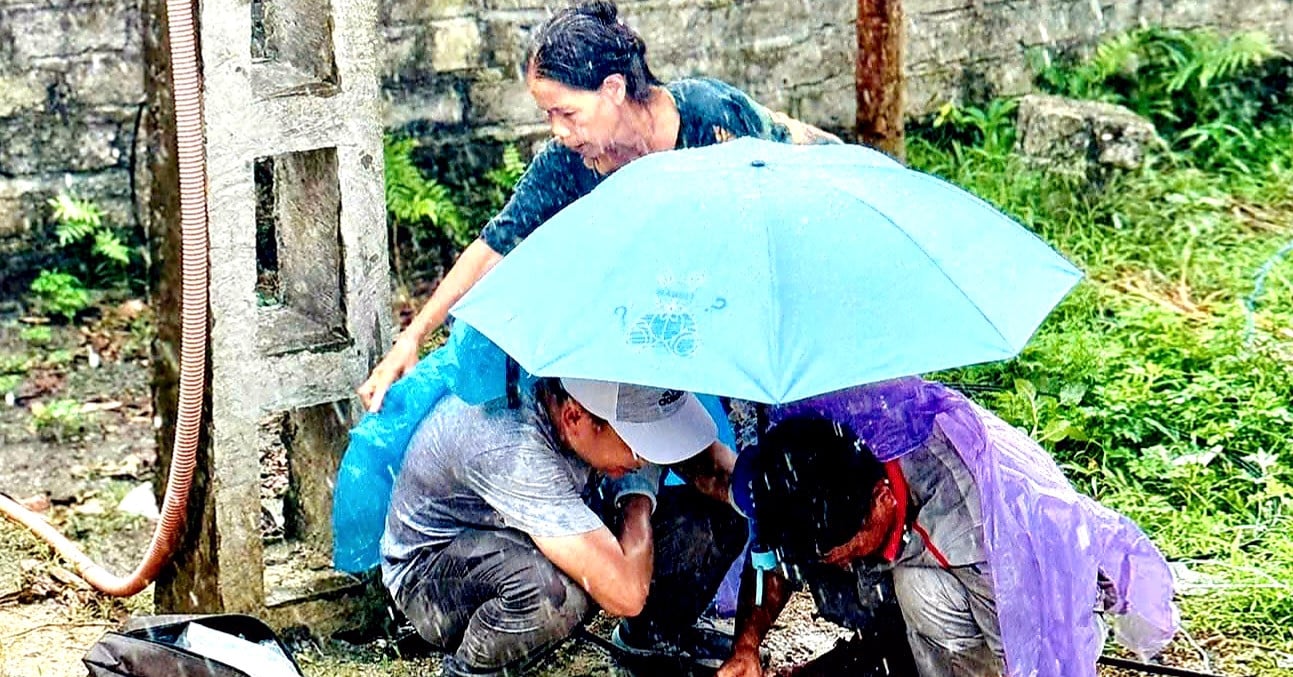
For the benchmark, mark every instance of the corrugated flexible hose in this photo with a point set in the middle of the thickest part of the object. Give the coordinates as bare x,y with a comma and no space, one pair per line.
182,33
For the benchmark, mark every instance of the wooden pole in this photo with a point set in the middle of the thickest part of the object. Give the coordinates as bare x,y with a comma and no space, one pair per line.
879,76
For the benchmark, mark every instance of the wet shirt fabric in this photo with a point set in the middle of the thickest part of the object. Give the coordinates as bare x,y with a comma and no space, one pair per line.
710,112
1045,544
483,467
945,505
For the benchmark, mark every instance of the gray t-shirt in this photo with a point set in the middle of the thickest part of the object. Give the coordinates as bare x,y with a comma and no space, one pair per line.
483,467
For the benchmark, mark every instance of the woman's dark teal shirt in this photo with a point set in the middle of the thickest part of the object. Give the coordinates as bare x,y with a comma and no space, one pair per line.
710,112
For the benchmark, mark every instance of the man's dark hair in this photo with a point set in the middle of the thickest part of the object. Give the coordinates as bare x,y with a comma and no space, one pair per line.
812,486
581,45
550,389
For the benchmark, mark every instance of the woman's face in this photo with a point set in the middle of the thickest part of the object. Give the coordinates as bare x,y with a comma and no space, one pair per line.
583,121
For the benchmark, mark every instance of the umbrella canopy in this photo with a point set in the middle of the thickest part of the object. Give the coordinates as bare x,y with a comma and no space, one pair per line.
768,272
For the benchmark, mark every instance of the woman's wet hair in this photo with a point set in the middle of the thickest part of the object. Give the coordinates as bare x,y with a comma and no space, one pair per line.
582,45
813,487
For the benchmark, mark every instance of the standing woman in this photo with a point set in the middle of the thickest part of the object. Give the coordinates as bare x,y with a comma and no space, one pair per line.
588,73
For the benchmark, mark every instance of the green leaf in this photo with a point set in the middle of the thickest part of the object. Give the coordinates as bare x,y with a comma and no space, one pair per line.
1025,389
1071,393
1059,430
60,293
109,246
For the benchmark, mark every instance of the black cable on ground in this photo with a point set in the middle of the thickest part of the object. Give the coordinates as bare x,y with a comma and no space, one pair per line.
1151,668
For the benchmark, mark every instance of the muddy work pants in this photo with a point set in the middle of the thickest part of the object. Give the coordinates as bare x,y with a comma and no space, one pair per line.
951,618
491,600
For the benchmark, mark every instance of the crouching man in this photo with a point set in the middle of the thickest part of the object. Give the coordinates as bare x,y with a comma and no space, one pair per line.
495,547
906,491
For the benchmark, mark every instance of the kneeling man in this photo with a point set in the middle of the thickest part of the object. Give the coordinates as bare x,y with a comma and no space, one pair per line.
495,545
906,491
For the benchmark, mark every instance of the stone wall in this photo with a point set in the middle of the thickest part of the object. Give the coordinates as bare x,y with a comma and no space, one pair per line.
976,49
71,76
453,65
71,84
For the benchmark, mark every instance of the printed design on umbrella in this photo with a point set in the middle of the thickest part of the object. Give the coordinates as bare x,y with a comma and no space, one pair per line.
672,325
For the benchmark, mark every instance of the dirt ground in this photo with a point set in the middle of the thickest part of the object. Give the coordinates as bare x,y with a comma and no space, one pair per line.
77,470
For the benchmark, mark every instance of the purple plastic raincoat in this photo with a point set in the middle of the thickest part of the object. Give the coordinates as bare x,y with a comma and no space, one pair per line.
1045,542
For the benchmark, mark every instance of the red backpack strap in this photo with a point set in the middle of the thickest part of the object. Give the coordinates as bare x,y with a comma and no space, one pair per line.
900,493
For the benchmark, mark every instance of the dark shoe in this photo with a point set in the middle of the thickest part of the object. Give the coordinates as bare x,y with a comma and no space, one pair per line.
858,658
452,666
703,647
407,643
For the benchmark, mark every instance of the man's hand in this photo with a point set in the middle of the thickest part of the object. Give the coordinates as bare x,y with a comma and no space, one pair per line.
710,471
401,359
616,572
753,622
743,663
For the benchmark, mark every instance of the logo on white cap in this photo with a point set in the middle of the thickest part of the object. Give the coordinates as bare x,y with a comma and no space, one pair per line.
659,424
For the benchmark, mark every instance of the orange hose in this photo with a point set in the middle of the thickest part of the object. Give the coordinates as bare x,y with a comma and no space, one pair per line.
186,78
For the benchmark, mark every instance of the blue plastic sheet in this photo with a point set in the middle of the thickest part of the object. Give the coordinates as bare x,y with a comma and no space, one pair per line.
471,367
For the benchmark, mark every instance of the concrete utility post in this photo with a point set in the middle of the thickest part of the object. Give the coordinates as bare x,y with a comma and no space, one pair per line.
879,76
299,287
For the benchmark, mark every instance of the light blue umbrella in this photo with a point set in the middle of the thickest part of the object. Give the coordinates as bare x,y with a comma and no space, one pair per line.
768,272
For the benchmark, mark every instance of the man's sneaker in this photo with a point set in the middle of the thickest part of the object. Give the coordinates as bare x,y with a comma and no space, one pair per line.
452,666
860,658
702,647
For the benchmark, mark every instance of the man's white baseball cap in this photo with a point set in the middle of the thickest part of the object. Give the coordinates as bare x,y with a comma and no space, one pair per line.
662,426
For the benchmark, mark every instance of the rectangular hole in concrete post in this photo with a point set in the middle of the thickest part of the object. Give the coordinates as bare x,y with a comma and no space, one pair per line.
300,451
292,49
300,265
268,291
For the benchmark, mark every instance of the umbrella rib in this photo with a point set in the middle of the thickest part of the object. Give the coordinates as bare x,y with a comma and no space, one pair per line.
776,330
922,250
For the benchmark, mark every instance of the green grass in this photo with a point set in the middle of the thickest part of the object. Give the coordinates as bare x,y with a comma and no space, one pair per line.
1156,386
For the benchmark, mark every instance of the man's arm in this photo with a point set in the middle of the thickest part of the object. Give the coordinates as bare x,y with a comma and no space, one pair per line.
710,471
753,622
616,573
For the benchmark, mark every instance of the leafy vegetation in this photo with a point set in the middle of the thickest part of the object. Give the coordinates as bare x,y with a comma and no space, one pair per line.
97,251
60,419
1163,383
1221,101
93,252
414,200
426,216
36,335
59,294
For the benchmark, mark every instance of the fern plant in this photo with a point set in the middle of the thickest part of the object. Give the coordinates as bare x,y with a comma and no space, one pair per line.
505,176
1207,94
74,219
431,219
413,200
89,243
